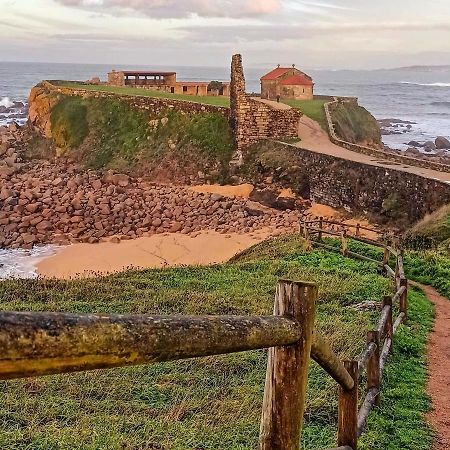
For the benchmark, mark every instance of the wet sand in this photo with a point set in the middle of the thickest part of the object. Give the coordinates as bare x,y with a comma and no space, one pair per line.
166,250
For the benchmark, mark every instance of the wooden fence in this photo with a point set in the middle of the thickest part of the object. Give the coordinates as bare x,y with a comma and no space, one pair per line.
35,344
351,421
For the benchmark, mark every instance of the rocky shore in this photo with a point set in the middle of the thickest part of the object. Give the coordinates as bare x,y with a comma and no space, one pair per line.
43,202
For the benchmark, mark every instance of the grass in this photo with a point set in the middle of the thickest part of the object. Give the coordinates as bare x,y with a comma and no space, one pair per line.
432,231
117,136
355,124
69,122
430,267
215,402
205,99
314,109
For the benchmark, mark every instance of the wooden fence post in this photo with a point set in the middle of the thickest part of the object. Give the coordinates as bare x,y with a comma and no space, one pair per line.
387,300
404,299
287,370
373,365
344,240
358,231
385,260
348,410
300,228
320,227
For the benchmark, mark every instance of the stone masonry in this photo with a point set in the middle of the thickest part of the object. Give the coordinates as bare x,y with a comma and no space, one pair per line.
252,120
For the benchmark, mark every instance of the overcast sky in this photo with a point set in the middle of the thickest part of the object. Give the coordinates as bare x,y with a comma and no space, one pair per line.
313,34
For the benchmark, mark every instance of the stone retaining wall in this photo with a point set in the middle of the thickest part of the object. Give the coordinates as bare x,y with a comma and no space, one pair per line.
374,152
253,120
356,186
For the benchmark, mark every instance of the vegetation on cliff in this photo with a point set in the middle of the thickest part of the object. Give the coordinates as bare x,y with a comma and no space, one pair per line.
432,231
214,402
355,124
107,133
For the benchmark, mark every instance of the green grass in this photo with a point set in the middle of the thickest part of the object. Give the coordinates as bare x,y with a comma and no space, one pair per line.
215,402
399,422
314,109
117,136
433,231
355,124
429,267
69,124
205,99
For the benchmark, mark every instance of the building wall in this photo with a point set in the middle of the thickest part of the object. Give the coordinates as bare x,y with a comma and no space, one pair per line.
271,88
252,120
297,92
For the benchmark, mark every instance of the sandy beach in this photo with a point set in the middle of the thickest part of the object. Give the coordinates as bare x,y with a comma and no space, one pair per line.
167,250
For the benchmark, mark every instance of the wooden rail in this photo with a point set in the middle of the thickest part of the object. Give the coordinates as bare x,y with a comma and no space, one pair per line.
373,359
35,344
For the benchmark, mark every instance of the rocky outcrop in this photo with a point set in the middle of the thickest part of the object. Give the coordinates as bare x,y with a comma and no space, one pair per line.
40,103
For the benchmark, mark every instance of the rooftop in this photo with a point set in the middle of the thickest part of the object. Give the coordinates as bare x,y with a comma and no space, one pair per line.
145,73
275,73
297,80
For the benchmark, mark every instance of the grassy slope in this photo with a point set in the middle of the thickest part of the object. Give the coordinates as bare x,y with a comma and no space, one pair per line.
209,100
355,124
210,403
311,108
120,137
432,231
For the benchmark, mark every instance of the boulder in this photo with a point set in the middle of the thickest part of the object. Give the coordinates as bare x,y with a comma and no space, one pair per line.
429,146
442,143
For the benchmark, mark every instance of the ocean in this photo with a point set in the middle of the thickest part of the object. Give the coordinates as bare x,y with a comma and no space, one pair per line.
417,95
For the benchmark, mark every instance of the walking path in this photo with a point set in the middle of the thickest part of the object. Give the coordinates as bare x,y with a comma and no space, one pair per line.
439,368
314,138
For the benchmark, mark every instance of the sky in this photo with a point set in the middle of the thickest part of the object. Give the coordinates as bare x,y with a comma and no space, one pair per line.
322,34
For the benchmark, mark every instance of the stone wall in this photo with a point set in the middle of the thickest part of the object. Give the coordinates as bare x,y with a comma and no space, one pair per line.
355,186
252,120
382,154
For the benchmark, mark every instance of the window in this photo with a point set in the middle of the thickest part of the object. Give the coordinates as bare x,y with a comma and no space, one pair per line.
184,88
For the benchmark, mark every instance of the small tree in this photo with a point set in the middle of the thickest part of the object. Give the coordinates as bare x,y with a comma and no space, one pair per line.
215,86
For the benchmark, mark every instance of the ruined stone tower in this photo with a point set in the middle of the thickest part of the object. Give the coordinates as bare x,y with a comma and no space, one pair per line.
251,120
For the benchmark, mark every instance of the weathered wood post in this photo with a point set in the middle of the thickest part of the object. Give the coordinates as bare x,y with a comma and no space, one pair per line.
344,242
287,370
388,331
348,410
358,230
385,260
300,228
373,365
320,228
404,299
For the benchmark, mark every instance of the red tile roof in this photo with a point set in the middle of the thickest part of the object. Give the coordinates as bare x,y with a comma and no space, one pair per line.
275,73
297,80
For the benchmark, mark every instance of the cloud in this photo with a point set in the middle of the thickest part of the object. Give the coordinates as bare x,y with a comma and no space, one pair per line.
269,32
181,8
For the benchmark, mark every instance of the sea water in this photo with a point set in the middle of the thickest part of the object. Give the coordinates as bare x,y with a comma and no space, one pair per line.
21,263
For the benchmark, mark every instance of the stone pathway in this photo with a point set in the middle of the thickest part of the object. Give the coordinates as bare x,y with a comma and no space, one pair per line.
272,104
439,368
314,138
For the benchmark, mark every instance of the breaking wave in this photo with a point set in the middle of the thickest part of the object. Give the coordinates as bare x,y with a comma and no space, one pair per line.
426,84
6,102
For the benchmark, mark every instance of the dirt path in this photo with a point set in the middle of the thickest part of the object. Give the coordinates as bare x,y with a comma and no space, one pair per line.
314,138
439,368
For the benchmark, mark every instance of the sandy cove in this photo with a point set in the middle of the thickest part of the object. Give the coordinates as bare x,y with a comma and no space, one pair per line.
165,250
